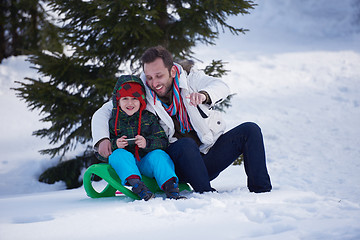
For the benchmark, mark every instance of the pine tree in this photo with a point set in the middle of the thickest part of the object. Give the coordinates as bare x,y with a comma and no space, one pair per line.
24,26
104,38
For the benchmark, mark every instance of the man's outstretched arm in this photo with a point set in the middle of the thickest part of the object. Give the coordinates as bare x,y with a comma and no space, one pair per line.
100,129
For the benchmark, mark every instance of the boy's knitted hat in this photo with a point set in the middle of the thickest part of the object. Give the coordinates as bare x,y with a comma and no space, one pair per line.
131,89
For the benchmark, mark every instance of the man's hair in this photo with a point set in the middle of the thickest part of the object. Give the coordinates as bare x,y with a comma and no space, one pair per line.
151,54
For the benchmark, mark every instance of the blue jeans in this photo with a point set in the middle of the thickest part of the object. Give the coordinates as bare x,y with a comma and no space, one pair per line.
156,163
199,169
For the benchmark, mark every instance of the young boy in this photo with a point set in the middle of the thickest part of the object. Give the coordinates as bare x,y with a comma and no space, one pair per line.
144,154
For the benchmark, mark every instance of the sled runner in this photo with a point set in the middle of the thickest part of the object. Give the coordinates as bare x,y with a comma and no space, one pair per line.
106,172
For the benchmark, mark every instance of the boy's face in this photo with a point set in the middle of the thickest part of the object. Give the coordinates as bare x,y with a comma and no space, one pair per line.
158,77
129,105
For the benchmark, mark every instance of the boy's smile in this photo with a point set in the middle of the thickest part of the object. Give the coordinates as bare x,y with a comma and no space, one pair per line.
129,105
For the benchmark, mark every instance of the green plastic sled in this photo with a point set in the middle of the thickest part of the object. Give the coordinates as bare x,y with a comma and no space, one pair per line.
106,172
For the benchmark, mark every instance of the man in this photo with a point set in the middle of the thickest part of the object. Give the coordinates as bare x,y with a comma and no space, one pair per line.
198,145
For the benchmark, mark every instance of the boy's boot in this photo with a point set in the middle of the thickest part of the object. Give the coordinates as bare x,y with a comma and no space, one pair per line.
139,188
172,190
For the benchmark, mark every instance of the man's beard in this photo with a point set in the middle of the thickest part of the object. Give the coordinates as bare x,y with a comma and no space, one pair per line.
167,92
167,96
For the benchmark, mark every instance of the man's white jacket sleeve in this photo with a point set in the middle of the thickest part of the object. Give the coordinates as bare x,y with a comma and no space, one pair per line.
217,89
100,123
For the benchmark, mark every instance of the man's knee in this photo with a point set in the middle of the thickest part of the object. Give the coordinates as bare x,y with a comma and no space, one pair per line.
251,126
250,129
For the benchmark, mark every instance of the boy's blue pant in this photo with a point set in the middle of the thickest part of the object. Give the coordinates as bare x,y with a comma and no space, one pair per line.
199,169
155,164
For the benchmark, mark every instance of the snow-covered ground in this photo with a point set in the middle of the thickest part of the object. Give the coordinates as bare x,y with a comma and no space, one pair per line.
296,74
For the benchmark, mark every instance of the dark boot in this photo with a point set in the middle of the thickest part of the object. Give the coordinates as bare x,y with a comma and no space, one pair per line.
172,190
142,191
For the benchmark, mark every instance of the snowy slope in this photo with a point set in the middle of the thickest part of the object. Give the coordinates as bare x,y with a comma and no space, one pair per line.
294,75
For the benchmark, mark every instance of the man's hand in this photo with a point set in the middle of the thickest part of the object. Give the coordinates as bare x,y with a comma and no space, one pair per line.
105,148
196,98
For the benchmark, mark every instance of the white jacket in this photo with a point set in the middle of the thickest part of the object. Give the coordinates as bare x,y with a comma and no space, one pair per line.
208,123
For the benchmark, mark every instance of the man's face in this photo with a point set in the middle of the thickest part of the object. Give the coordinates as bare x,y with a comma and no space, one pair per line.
158,77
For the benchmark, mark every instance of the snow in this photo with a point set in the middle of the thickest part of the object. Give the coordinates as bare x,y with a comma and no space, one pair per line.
296,74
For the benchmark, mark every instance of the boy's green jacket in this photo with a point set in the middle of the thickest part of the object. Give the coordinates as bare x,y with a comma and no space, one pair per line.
128,125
